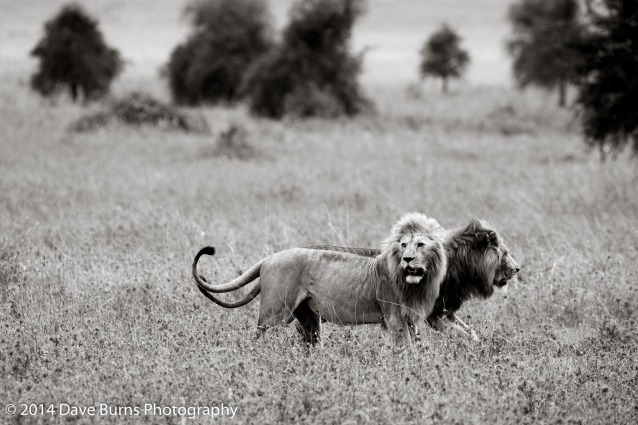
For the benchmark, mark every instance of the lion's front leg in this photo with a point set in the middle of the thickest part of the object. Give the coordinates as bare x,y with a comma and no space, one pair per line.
462,326
437,323
413,328
399,329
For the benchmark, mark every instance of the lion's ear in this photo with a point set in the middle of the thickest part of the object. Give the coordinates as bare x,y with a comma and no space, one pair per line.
486,238
474,225
493,237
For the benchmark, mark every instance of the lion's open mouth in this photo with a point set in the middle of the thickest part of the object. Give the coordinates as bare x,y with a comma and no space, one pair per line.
414,274
501,283
415,271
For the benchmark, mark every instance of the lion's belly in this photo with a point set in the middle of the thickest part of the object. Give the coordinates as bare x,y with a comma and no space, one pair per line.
336,285
347,298
342,311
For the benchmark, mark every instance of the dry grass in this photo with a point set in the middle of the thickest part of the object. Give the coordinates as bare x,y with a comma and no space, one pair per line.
98,231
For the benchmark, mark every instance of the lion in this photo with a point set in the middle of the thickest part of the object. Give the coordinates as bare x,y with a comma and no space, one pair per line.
320,285
478,261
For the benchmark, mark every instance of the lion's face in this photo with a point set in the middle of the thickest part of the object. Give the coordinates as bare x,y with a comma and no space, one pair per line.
507,266
416,254
492,265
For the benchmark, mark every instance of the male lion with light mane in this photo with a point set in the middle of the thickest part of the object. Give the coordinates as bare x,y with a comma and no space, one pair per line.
311,285
478,261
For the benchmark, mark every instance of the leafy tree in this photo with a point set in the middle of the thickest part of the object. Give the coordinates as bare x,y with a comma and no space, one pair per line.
73,54
311,72
608,96
443,57
545,43
228,36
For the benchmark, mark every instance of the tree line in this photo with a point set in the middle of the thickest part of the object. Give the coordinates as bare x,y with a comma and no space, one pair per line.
233,53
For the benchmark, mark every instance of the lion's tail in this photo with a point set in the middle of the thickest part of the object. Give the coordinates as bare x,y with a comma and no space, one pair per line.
243,280
251,296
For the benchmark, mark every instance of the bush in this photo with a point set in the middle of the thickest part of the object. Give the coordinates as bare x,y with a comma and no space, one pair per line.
228,36
442,56
608,96
311,72
233,143
73,54
138,109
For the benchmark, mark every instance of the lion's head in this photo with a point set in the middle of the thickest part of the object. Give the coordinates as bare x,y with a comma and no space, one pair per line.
415,251
479,255
507,267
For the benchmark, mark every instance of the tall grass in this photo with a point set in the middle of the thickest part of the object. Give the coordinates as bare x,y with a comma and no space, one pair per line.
98,231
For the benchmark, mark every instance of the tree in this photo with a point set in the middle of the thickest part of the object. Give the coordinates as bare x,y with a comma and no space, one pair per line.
73,54
443,57
228,36
545,43
311,72
608,95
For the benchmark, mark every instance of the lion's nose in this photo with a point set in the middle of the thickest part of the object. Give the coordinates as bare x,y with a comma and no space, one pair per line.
408,259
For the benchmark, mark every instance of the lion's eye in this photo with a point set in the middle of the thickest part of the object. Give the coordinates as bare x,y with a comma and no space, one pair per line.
403,245
420,245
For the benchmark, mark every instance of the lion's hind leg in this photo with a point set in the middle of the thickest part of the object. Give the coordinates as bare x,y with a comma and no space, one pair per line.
271,316
309,323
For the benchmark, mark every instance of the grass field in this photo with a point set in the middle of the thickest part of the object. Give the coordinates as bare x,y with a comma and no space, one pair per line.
98,231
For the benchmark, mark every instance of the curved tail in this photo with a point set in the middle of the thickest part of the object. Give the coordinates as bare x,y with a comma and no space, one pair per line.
243,280
251,296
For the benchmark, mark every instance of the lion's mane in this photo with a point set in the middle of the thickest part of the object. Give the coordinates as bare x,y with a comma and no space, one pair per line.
417,299
473,261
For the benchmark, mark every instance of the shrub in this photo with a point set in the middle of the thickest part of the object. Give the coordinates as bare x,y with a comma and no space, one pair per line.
73,54
443,57
233,143
311,72
608,96
91,122
228,36
137,109
140,108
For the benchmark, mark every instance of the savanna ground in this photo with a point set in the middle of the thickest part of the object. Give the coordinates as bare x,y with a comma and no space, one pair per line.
98,232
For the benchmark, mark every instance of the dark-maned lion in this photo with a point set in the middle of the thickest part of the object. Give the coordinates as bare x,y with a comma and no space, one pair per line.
478,261
339,287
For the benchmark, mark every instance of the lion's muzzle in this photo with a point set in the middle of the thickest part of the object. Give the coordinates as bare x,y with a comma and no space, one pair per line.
413,275
501,283
509,276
